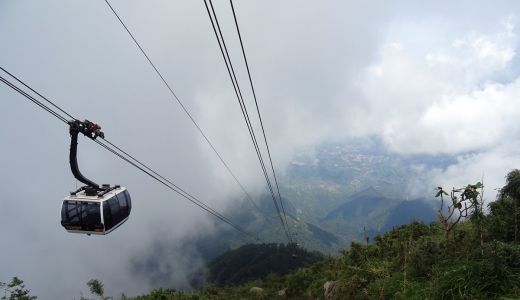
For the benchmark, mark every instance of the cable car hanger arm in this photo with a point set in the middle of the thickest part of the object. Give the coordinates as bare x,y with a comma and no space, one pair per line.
90,130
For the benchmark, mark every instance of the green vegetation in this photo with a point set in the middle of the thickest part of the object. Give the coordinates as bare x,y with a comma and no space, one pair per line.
467,254
252,262
15,290
96,288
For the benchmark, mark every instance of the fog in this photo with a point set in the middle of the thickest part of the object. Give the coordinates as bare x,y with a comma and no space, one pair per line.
425,78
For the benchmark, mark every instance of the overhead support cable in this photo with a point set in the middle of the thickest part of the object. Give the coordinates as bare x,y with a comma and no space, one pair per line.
258,110
145,169
229,66
186,111
123,155
238,93
44,98
31,98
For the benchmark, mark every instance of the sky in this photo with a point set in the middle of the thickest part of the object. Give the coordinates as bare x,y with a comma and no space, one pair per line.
426,78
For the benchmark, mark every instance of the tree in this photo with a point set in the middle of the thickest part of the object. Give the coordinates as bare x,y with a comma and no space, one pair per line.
504,218
15,290
512,190
464,201
96,288
512,187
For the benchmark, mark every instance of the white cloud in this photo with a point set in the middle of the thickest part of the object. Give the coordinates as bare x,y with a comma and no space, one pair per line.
447,100
459,97
490,166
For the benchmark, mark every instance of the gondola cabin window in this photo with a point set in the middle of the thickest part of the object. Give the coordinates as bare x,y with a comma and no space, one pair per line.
81,215
116,209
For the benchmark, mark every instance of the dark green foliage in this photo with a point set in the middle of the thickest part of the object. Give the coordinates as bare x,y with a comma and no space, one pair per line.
505,212
15,290
502,219
485,278
168,294
423,255
393,243
299,281
512,187
479,258
251,262
96,288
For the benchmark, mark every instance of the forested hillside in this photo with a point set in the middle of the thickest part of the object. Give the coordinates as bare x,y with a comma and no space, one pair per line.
253,261
468,254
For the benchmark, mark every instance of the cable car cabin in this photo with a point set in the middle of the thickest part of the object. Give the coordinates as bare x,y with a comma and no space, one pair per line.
92,209
96,214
